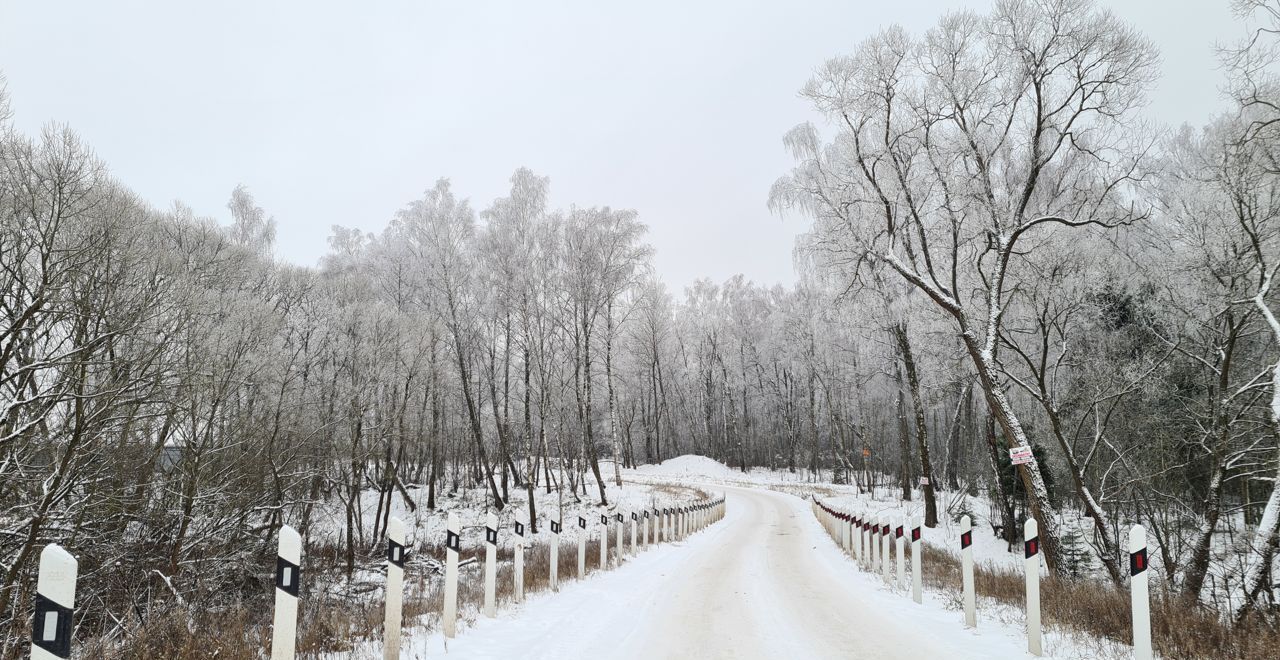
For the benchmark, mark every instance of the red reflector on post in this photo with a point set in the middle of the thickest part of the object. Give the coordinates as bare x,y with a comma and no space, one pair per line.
1137,562
966,540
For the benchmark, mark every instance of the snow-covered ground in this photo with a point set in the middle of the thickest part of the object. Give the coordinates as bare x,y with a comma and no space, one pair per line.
766,582
427,527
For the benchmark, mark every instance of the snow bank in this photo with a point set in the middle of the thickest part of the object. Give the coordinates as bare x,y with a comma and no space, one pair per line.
688,465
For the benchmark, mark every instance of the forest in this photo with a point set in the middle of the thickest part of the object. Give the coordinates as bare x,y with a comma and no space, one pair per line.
1004,251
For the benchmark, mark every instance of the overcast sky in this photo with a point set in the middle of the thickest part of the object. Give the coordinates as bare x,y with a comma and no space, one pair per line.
341,113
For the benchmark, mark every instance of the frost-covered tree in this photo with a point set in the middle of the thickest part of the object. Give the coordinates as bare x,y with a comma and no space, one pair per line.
958,152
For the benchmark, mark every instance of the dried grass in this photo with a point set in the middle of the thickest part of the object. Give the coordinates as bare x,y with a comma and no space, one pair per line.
335,621
1179,630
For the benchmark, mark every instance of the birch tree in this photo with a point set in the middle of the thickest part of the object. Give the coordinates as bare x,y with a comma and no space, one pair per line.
957,153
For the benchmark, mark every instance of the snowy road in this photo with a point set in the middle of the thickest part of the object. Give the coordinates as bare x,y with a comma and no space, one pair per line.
766,582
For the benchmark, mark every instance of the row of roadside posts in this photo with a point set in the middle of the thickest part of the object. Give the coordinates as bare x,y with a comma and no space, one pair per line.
868,538
51,629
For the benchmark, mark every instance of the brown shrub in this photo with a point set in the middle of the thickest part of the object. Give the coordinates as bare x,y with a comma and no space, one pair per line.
1178,630
334,616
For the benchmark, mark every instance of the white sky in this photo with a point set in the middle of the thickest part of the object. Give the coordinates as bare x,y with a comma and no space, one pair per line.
341,113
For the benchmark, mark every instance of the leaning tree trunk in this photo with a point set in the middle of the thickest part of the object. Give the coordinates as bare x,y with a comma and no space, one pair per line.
1093,508
922,434
1201,549
473,415
1008,523
1032,479
1267,536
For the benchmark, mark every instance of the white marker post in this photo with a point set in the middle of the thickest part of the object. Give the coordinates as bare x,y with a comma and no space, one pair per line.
635,520
855,529
844,533
966,570
899,547
519,565
618,545
864,539
452,544
917,545
604,542
1139,597
852,523
886,533
55,604
395,589
491,566
1032,566
284,635
877,533
582,546
555,555
872,531
644,530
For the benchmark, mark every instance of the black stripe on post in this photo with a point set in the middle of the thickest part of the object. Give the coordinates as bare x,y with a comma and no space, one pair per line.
1032,546
966,540
519,528
915,534
618,517
1137,562
555,527
395,553
452,541
288,576
491,535
604,520
57,638
635,516
897,533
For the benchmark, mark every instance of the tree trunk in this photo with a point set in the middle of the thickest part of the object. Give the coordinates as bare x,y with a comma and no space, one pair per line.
1265,539
953,439
922,436
613,410
1032,481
